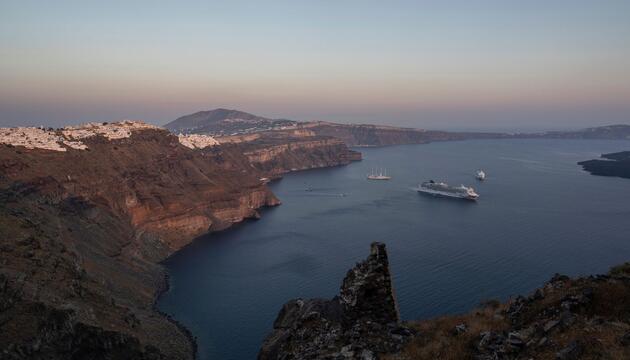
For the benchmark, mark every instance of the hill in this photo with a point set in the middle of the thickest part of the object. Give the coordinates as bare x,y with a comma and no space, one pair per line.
225,122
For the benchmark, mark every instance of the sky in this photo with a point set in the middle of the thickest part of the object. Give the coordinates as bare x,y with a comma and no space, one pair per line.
469,64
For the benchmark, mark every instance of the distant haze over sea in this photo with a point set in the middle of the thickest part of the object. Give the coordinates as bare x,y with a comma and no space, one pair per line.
504,120
429,64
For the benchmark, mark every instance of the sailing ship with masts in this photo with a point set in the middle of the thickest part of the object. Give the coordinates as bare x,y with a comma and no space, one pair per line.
378,176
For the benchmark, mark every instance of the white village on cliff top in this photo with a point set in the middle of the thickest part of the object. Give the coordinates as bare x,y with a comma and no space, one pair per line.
71,136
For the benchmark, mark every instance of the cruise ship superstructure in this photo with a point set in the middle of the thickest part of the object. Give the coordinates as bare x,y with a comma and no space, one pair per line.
443,189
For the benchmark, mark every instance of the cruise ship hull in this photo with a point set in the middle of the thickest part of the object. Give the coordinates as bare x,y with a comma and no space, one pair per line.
446,194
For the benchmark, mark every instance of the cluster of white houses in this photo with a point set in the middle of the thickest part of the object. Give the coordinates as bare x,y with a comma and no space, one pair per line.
70,136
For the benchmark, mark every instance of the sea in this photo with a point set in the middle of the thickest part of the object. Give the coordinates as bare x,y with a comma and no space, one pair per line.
538,214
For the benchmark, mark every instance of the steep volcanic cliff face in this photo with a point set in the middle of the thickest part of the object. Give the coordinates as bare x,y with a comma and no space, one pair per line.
378,135
278,152
82,230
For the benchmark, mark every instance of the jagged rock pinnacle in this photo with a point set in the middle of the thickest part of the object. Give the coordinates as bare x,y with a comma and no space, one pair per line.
360,323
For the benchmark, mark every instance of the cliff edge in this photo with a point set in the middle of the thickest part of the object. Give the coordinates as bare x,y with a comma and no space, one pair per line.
86,215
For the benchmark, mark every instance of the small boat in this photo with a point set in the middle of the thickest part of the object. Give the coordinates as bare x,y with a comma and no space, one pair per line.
379,176
480,175
443,189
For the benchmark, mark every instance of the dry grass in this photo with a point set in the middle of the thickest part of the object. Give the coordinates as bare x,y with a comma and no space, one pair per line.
437,338
621,270
598,328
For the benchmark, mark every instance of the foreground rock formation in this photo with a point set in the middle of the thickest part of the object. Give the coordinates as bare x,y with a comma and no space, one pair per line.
360,323
583,318
82,232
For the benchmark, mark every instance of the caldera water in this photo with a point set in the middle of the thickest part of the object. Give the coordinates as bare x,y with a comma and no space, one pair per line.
538,214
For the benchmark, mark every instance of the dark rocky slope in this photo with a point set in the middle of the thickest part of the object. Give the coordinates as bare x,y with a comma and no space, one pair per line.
613,164
82,232
582,318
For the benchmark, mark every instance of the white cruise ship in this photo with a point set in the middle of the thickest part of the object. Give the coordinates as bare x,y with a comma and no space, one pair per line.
443,189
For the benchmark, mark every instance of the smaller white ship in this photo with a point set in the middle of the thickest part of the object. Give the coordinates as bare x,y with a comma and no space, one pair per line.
380,176
480,175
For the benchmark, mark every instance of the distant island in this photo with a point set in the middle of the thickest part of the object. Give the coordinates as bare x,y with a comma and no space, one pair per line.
613,164
229,125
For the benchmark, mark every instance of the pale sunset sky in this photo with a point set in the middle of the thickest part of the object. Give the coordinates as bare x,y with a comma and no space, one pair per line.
526,65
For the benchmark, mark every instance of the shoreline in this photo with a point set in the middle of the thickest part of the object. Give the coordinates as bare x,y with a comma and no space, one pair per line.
163,287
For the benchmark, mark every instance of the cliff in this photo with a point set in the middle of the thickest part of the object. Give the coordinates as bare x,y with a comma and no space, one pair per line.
378,135
82,229
277,152
582,318
608,132
234,125
360,323
613,164
223,122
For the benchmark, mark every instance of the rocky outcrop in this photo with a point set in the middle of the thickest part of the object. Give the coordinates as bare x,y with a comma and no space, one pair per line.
82,232
582,318
361,323
613,164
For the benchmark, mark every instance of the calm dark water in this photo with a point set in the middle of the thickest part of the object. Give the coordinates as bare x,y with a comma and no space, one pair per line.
538,214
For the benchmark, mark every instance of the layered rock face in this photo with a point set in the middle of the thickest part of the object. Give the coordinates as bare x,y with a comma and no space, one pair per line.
82,232
361,323
278,152
378,135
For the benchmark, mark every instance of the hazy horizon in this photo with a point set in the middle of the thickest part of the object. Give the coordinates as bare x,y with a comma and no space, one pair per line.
437,65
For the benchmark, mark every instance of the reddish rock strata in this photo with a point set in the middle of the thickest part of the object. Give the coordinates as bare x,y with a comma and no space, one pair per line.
82,232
